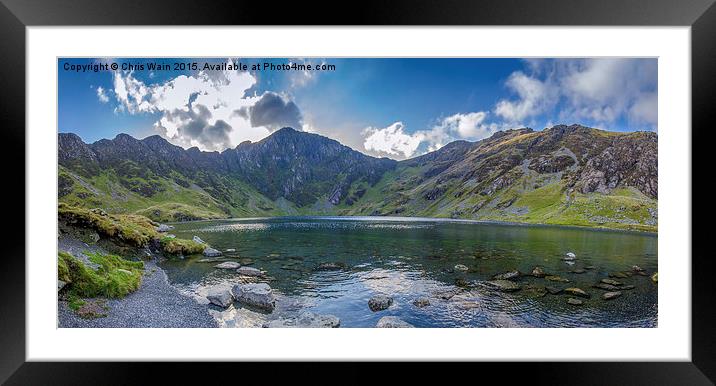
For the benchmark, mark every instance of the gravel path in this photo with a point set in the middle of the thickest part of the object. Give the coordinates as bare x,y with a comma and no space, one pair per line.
155,304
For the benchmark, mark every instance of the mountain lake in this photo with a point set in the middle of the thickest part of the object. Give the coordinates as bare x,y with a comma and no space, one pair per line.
334,265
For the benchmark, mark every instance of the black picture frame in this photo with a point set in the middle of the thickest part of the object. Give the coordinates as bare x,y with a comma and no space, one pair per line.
700,15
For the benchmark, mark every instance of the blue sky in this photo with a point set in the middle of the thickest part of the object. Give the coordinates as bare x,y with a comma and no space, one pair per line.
397,108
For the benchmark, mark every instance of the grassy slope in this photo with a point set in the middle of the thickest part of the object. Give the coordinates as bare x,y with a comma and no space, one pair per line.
534,199
173,202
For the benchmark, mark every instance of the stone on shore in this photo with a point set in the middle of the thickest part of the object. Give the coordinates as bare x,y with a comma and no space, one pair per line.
162,228
222,298
392,322
306,319
211,252
60,285
228,265
421,302
611,295
198,240
249,271
254,294
379,303
461,267
574,302
503,285
577,292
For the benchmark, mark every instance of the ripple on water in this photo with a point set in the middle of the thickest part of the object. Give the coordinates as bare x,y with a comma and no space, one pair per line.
411,259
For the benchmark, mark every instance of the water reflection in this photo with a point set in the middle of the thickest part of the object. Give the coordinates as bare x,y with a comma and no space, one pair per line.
411,258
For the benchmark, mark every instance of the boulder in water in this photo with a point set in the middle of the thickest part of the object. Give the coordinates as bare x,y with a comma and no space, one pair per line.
211,252
254,294
461,267
198,240
611,295
503,285
249,271
392,322
222,298
538,272
574,302
421,302
228,265
379,303
305,319
577,292
507,275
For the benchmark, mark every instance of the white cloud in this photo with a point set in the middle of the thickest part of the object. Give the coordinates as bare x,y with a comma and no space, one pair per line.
391,140
102,94
196,110
395,141
598,91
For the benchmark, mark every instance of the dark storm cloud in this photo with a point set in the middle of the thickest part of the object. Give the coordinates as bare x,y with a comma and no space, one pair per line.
195,126
273,112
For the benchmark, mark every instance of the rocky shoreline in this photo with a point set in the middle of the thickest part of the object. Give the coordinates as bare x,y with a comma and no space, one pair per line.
156,304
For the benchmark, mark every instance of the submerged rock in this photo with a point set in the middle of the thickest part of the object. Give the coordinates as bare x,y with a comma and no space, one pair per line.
636,268
198,240
331,266
574,302
611,282
392,322
421,302
306,319
211,252
254,294
446,294
503,285
228,265
606,287
379,303
249,271
507,275
553,290
538,272
461,267
611,295
222,298
556,278
579,271
209,260
577,292
619,275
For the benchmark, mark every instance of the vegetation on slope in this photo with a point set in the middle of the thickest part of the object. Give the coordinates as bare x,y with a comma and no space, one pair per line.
114,278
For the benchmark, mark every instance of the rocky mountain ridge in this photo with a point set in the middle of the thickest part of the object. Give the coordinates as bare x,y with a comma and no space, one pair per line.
516,175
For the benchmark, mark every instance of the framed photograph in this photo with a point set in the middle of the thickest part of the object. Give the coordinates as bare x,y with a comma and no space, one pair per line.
483,182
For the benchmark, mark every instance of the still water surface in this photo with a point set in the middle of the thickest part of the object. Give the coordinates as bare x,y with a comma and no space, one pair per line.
408,258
